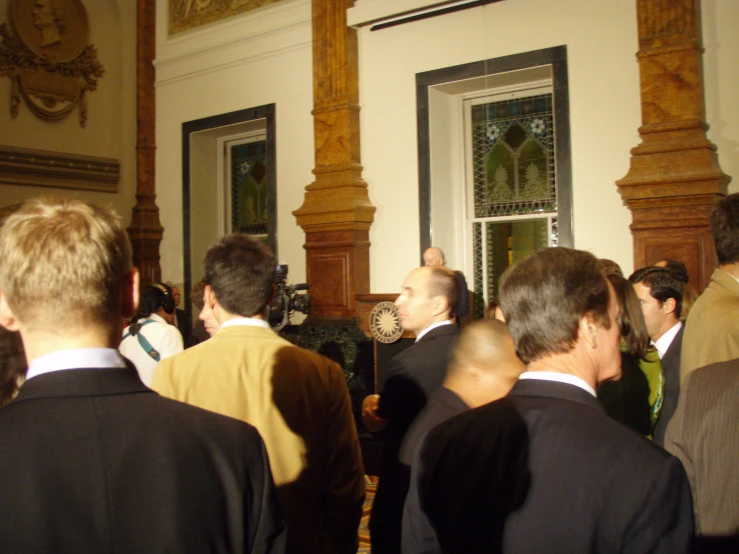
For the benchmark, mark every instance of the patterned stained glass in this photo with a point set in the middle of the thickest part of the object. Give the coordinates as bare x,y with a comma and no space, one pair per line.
480,302
249,210
513,157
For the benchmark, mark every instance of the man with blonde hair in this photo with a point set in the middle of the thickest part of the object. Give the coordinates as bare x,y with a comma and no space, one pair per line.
96,461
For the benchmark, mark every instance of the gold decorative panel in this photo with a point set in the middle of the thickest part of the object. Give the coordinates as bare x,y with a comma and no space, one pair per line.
189,14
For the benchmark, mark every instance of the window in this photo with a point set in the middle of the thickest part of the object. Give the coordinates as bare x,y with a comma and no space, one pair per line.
510,180
498,185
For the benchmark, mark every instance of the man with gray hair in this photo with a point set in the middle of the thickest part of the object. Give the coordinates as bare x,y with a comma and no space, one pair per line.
595,485
93,460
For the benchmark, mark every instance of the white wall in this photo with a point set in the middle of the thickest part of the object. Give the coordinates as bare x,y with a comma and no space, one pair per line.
251,60
265,57
601,40
111,124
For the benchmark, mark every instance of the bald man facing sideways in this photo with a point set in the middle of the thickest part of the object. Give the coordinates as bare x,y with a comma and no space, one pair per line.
484,368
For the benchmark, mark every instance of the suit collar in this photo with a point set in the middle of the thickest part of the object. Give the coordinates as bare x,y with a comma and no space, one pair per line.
554,389
675,346
441,330
83,382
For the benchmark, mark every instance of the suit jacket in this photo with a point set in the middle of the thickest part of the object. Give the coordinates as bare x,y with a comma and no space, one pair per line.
671,373
93,461
417,532
712,327
596,486
413,375
703,434
299,402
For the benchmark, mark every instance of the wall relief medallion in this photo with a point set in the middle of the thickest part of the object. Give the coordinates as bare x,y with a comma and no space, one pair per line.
384,322
45,54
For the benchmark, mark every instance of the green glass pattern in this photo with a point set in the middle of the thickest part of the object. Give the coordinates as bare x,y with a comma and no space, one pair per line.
249,210
513,157
480,301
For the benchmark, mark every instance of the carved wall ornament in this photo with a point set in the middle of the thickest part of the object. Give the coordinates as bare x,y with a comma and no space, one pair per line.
189,14
46,56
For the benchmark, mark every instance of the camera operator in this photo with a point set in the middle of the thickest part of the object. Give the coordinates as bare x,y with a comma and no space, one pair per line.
286,299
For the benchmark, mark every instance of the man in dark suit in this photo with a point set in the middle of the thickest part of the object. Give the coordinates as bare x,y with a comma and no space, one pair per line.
425,305
435,256
661,297
93,460
595,485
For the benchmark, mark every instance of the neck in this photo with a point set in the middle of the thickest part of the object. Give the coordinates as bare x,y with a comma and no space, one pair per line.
732,269
573,362
666,326
474,391
222,315
39,343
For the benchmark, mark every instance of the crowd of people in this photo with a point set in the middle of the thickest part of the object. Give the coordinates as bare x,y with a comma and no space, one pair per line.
589,412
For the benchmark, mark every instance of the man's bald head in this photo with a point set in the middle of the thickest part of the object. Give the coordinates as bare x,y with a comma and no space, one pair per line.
487,344
434,256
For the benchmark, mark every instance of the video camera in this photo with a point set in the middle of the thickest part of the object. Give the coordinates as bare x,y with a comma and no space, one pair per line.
286,300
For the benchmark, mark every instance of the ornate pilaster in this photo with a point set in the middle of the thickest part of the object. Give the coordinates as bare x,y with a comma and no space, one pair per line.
336,213
674,177
145,231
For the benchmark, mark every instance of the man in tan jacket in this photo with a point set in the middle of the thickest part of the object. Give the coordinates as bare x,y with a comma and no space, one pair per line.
297,399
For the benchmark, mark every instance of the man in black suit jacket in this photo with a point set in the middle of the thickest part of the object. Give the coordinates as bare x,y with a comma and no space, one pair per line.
93,460
595,485
660,294
428,298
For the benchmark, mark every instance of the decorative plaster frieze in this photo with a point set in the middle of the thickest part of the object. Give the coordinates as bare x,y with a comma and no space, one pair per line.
44,168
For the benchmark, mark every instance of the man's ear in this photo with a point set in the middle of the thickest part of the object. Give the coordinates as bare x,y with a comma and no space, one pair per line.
587,331
669,305
441,305
130,294
7,317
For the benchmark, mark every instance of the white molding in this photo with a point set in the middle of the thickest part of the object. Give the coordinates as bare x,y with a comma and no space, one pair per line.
366,12
279,28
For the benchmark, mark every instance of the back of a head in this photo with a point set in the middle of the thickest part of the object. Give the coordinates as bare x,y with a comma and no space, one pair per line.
434,256
64,263
241,270
725,228
545,295
157,296
486,344
676,267
442,281
630,317
196,294
662,284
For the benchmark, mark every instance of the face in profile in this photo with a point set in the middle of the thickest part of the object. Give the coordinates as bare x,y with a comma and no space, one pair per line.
206,314
415,307
45,19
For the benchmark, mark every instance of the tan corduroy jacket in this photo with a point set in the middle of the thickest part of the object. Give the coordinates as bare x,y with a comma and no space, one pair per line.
712,329
299,402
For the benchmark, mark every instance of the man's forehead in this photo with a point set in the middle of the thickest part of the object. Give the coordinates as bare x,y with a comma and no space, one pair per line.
416,279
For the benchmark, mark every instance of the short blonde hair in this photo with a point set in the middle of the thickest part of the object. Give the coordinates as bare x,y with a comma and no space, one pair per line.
63,263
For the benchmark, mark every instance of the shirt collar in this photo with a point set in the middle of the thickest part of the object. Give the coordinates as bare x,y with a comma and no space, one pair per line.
560,378
432,326
664,342
75,358
248,321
